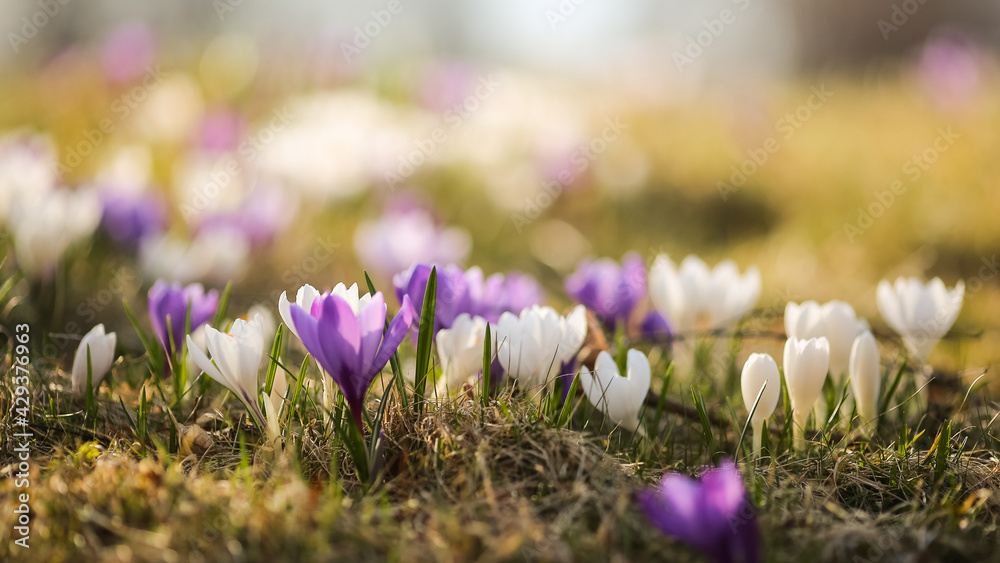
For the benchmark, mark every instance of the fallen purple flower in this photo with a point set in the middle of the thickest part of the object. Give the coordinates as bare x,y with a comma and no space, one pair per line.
711,514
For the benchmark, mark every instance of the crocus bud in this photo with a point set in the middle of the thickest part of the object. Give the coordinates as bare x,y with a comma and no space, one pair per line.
760,372
865,375
102,355
806,363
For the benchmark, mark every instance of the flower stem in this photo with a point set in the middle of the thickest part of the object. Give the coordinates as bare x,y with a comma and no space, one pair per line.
758,436
800,418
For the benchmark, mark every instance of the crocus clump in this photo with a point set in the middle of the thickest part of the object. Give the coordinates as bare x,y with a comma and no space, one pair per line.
608,289
711,514
461,349
347,340
532,347
168,310
834,320
694,297
466,291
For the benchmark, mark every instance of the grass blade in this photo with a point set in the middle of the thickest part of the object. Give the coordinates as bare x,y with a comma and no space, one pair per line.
397,373
424,340
272,365
942,450
153,348
706,426
890,391
567,407
749,418
487,386
220,313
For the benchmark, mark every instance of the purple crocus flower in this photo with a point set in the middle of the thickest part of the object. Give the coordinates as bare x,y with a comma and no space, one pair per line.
451,290
609,290
655,328
950,70
128,52
130,217
348,342
513,292
711,514
172,301
465,291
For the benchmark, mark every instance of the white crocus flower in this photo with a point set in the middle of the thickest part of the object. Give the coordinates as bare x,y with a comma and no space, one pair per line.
198,339
533,346
45,225
28,167
920,313
760,372
236,357
806,363
461,350
619,398
836,321
866,377
304,298
102,355
696,298
350,294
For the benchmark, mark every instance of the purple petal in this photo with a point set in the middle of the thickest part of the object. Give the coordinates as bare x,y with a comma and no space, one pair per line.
308,328
371,323
712,514
724,491
633,282
654,327
341,341
398,328
412,283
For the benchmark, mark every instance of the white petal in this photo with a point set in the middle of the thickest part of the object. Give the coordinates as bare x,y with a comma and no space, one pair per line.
865,375
202,361
760,371
284,310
